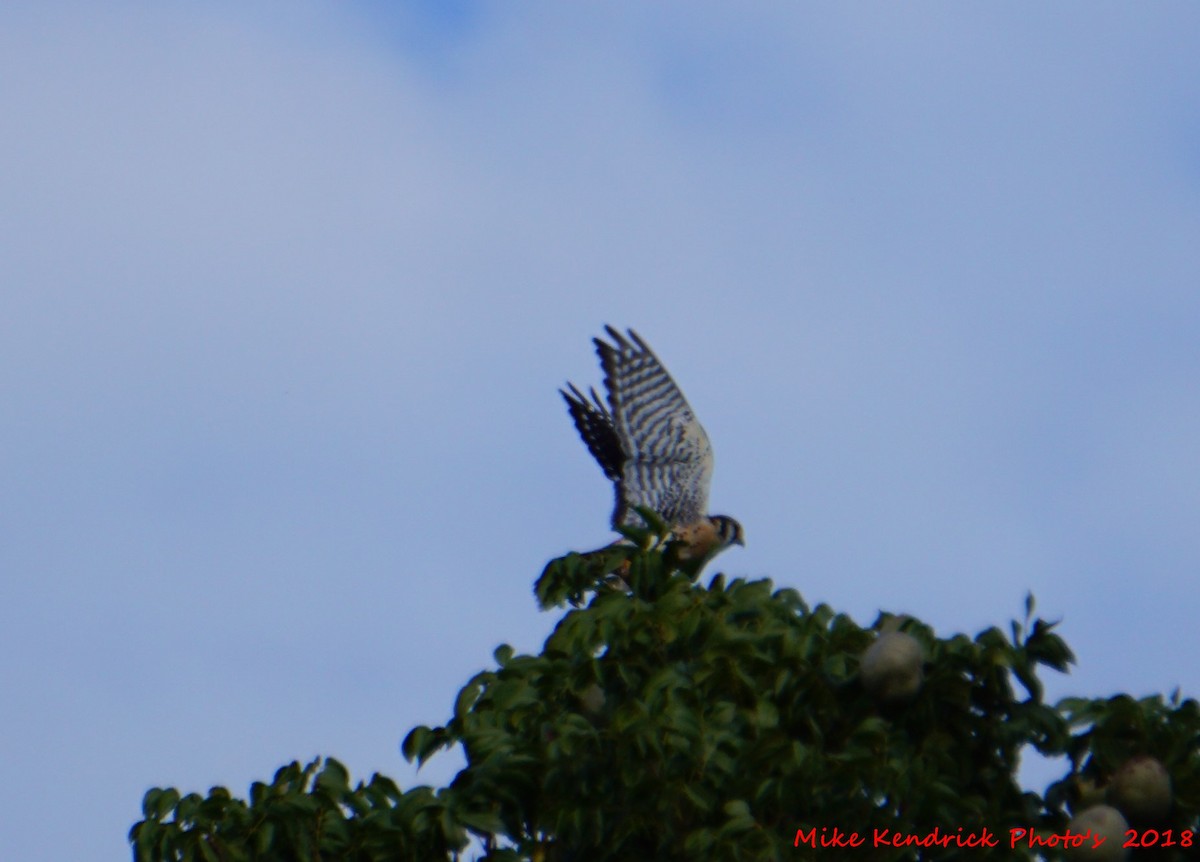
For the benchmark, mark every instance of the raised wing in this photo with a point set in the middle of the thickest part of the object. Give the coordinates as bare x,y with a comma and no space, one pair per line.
667,459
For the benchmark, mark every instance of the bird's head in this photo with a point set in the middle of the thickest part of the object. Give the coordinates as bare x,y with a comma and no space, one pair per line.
729,531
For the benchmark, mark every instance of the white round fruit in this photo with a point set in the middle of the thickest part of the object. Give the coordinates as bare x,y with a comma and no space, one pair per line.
892,667
1141,788
1099,821
592,700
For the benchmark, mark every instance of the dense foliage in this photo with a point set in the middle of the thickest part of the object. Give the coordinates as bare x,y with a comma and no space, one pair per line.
665,720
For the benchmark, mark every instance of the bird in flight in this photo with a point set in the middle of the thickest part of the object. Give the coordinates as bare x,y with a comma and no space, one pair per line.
648,442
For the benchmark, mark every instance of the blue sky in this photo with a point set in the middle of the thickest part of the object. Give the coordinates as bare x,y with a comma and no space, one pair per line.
287,294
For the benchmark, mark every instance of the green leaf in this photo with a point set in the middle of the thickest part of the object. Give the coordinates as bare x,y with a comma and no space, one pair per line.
698,843
466,699
334,778
736,808
166,803
150,803
481,821
264,837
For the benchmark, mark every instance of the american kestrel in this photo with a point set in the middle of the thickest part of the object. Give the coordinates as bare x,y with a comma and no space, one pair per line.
648,442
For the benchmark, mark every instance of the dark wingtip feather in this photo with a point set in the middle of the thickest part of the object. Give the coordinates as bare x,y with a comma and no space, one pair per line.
595,426
637,339
574,396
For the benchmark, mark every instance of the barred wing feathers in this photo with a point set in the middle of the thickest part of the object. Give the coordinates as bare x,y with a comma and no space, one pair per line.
667,458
